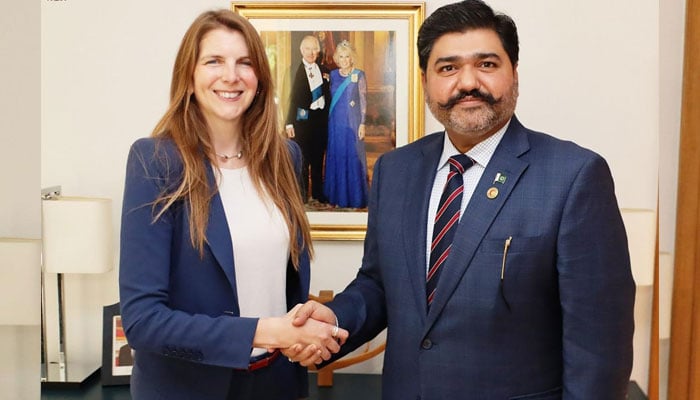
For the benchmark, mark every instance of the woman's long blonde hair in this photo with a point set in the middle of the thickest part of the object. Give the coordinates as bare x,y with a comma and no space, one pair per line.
266,150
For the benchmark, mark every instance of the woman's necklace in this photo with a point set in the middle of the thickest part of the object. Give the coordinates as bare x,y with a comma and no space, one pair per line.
227,157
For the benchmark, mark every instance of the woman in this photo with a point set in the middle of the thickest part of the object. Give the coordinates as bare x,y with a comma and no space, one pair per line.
215,244
345,182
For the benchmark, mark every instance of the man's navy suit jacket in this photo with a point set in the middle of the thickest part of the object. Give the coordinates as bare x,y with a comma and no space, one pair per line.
559,325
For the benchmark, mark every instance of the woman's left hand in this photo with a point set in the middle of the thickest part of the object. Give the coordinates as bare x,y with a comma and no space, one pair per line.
361,132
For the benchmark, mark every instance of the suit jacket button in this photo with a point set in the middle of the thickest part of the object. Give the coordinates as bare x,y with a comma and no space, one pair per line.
427,344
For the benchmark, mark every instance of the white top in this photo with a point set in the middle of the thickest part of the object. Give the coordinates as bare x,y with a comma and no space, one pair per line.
260,246
481,154
315,78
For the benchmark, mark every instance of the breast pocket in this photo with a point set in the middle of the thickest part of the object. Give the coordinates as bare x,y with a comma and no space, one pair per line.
512,256
523,268
514,244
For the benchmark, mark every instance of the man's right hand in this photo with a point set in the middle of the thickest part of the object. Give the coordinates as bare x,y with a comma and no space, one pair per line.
308,355
314,310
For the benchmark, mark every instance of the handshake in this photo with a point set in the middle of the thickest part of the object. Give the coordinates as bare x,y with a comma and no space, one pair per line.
308,333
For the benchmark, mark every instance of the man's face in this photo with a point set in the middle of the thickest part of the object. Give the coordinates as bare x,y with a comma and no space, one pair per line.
309,50
471,86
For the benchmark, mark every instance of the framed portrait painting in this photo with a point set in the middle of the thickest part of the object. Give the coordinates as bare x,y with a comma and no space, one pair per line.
365,55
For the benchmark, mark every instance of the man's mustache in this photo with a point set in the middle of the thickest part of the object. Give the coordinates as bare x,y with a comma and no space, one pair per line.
452,101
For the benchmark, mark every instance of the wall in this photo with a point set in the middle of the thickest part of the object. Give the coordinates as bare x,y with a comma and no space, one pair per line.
19,180
589,72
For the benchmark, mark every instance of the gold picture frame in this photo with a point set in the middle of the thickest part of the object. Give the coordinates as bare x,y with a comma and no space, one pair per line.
379,31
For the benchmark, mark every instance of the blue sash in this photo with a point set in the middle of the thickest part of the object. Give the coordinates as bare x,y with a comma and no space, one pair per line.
316,93
341,89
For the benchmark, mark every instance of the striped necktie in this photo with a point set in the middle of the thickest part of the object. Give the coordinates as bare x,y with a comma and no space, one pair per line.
446,220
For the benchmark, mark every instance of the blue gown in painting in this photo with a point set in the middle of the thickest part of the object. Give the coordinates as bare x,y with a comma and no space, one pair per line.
345,180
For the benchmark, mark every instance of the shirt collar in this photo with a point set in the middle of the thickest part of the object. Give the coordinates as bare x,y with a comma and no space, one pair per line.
481,153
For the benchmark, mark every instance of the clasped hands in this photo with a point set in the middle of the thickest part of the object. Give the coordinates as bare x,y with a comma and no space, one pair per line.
307,334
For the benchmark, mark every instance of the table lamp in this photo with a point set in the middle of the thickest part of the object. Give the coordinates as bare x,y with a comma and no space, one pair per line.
77,237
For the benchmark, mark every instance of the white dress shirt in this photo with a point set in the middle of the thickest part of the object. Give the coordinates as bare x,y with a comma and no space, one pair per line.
315,78
481,154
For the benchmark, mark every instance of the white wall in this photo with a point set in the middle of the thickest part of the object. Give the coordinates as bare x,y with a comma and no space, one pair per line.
20,180
589,72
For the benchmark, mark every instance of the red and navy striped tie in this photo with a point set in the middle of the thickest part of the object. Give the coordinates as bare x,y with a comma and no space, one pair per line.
446,220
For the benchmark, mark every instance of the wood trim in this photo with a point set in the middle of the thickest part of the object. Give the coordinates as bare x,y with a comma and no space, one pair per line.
684,363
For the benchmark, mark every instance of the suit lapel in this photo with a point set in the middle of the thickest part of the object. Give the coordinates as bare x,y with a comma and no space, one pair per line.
480,212
415,214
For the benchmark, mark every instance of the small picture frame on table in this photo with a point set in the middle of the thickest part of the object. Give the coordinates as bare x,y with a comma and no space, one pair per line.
117,355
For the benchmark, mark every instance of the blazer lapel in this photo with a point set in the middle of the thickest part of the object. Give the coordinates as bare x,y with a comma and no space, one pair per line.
218,236
415,214
480,212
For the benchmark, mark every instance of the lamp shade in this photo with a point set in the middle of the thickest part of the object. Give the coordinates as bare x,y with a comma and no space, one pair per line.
20,281
77,235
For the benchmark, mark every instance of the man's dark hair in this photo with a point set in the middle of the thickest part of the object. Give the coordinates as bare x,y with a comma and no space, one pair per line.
462,17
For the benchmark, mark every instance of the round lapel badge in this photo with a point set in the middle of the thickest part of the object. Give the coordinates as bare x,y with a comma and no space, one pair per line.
492,193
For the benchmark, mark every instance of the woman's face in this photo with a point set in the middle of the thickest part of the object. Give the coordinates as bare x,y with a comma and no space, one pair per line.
344,59
224,81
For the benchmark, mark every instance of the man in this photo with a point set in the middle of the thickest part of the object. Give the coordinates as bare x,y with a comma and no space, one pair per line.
534,298
307,118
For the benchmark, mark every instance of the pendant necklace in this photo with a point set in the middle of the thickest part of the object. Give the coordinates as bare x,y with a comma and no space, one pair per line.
226,157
